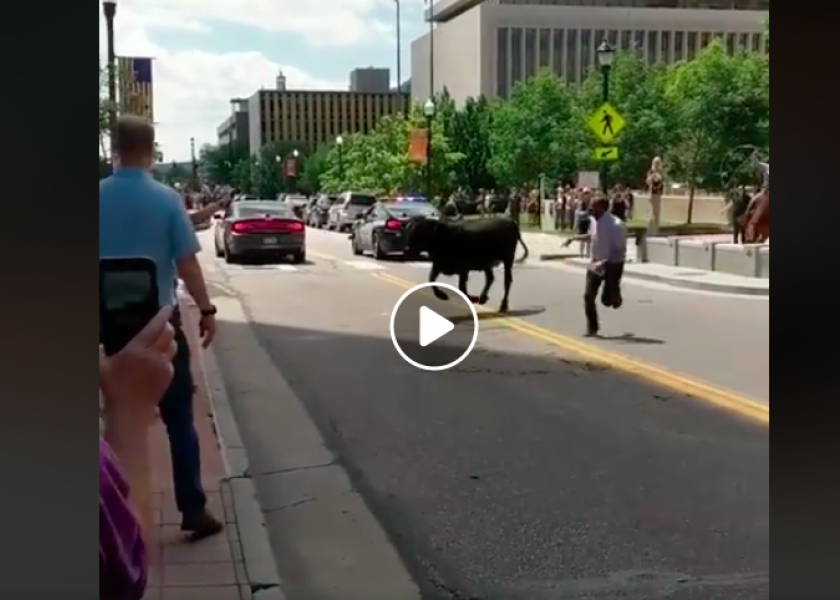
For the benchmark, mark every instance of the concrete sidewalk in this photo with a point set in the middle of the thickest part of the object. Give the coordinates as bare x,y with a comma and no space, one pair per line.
231,565
547,247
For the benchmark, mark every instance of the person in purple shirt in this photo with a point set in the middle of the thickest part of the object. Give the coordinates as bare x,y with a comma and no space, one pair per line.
132,383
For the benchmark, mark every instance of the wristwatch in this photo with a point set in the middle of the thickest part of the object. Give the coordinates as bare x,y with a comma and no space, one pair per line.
209,312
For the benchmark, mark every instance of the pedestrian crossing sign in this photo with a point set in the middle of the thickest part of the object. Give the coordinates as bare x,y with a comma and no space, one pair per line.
606,123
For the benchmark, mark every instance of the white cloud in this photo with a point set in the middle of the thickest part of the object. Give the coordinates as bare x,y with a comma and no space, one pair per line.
319,22
193,88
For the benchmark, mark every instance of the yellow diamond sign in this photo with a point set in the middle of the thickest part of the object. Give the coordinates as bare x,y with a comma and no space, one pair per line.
606,123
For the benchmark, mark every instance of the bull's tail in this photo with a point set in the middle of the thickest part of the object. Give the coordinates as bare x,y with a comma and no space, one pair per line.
524,257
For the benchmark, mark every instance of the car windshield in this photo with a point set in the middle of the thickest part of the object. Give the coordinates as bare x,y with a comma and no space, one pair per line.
272,210
411,209
359,200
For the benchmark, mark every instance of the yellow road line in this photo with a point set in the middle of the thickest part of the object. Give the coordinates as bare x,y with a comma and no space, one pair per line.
315,254
683,384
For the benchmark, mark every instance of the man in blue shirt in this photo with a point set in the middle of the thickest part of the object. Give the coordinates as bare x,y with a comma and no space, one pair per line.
140,217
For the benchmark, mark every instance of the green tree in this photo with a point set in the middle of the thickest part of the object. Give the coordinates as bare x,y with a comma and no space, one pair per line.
244,175
470,137
312,170
217,162
718,102
538,131
637,91
379,161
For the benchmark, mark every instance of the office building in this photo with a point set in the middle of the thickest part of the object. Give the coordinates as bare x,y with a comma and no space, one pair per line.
234,129
370,80
486,46
312,118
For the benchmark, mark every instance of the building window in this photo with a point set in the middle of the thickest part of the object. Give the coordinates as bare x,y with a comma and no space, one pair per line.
545,48
639,41
586,51
530,53
502,62
756,42
665,38
612,38
731,43
691,51
652,47
679,43
744,43
571,55
626,40
516,55
705,39
559,53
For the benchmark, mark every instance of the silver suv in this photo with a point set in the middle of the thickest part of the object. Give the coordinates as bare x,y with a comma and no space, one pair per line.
349,207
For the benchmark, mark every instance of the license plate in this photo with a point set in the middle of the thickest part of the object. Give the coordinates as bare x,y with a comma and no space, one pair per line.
270,241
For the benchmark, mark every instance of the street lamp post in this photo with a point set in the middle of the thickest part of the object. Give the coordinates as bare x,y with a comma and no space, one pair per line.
279,169
109,8
293,173
605,53
339,141
429,111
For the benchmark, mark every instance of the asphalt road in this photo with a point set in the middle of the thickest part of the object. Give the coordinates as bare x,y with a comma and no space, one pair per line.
526,473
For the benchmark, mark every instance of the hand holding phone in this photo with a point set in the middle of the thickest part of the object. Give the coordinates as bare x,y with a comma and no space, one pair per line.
128,300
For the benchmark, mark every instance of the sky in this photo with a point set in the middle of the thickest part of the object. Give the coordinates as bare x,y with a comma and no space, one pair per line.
208,51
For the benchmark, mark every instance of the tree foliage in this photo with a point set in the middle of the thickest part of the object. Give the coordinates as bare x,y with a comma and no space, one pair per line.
537,132
717,102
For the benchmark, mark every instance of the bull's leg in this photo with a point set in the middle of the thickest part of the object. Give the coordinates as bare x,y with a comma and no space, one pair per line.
489,278
508,274
463,280
433,275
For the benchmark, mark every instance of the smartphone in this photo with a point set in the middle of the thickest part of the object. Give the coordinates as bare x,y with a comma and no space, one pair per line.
128,299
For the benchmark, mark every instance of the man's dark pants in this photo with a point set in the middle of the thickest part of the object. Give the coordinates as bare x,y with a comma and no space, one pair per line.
609,284
176,412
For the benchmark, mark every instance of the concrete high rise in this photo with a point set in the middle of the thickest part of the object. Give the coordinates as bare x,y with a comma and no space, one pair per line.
370,80
486,46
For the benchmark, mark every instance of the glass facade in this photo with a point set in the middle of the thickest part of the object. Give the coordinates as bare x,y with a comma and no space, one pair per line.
570,53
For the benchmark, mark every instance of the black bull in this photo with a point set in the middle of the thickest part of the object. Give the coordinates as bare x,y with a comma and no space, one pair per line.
456,248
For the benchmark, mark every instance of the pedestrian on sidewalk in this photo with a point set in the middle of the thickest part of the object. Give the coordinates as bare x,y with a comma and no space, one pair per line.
656,187
139,216
608,238
131,383
581,221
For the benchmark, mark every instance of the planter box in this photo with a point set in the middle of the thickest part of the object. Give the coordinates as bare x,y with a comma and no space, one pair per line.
764,262
737,259
662,251
696,254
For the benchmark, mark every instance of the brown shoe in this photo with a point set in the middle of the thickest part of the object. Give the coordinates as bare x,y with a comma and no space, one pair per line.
202,526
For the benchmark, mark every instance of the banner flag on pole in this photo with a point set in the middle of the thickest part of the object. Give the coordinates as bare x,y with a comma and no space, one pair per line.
136,90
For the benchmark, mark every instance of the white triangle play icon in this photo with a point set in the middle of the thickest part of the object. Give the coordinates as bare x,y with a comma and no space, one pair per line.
433,326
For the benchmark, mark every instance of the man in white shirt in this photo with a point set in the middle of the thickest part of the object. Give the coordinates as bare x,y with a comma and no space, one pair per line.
608,248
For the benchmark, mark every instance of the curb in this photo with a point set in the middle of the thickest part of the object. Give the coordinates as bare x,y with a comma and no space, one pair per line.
684,283
239,490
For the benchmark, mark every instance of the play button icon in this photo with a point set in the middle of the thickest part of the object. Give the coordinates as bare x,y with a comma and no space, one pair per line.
433,334
432,326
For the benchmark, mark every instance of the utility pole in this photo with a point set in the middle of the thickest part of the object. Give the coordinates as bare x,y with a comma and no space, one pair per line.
399,47
109,8
431,48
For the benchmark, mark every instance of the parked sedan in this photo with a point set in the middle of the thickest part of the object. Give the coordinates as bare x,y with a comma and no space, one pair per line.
259,229
381,231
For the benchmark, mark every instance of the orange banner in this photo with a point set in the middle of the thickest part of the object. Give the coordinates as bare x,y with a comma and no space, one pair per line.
417,145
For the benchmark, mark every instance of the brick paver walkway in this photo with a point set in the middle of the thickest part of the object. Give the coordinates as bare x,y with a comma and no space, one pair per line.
212,568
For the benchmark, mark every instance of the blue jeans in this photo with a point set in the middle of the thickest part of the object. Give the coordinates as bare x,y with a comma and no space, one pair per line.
176,412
